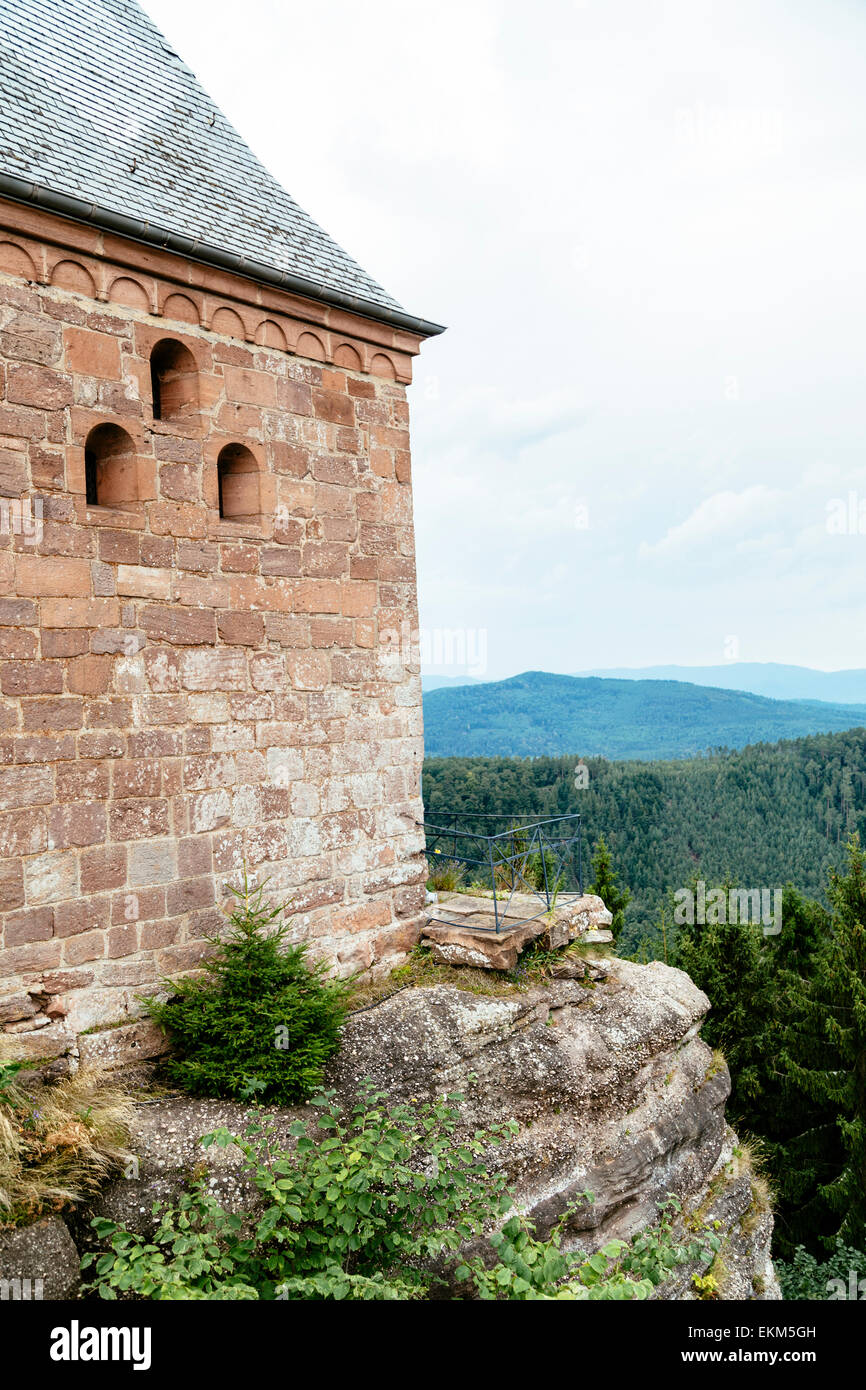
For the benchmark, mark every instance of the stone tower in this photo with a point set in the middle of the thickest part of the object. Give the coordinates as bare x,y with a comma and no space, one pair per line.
207,584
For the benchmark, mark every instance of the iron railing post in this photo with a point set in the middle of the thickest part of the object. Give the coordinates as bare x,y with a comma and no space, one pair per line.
493,884
580,856
544,867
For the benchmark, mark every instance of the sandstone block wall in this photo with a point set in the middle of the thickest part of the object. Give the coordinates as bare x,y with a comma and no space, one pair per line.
181,692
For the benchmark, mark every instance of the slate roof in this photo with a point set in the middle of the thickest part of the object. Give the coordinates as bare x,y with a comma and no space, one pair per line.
96,105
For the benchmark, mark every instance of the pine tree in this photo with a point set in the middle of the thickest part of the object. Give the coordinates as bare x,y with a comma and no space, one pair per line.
259,1015
800,1135
832,1033
605,885
727,960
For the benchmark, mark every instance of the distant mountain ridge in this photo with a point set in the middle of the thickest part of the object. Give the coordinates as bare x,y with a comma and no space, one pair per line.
771,678
538,713
436,682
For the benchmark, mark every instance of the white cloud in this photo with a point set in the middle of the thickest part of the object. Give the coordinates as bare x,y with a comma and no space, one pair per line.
721,520
644,229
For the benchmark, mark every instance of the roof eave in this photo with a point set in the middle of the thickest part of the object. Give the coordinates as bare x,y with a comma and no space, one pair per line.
81,210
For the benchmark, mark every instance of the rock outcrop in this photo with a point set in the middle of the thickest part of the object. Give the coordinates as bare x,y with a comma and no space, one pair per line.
611,1086
39,1261
614,1091
462,929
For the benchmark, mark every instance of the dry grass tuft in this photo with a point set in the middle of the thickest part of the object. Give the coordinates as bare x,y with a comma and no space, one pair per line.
749,1159
58,1144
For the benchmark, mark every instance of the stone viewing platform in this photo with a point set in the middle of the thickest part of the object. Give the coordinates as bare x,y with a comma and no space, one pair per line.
461,928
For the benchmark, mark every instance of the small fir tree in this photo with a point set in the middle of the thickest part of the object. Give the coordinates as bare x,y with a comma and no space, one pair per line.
605,884
261,1017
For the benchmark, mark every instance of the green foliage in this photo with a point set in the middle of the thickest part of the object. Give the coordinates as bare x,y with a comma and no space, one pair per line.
260,1011
789,1012
654,1253
805,1277
528,1269
8,1087
756,989
359,1212
196,1253
728,960
378,1205
378,1192
605,884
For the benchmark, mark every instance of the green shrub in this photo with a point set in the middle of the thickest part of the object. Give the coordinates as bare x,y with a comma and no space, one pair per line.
378,1206
196,1253
358,1213
529,1270
378,1195
260,1014
805,1277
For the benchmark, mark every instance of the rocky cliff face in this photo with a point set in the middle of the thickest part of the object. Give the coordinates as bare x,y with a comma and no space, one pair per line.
612,1088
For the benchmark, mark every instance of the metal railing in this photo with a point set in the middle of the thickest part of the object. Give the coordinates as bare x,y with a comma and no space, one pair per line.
539,858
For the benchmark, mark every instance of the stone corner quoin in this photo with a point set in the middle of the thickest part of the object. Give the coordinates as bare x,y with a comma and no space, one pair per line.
210,665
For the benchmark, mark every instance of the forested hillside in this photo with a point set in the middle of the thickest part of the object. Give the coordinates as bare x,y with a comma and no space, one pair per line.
763,816
787,1009
539,714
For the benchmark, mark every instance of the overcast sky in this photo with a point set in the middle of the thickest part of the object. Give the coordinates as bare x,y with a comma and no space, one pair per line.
643,437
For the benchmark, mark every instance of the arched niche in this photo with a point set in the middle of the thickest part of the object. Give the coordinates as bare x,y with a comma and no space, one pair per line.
173,380
110,468
239,488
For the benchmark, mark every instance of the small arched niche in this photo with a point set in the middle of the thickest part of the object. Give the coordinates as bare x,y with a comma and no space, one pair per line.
238,477
174,381
110,468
